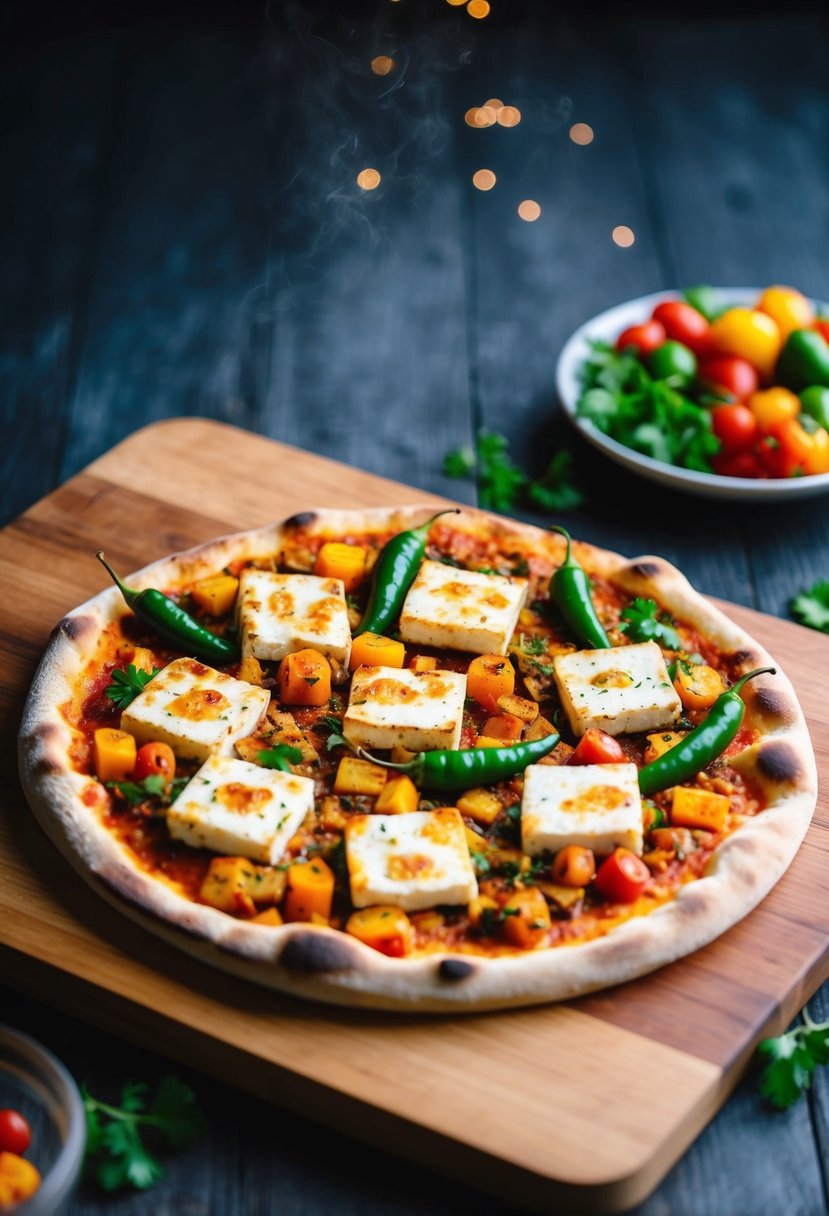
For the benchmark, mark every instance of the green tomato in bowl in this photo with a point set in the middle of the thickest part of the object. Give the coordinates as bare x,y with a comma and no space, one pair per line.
673,361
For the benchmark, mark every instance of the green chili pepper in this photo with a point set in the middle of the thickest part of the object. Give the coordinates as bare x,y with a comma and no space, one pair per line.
394,574
461,770
173,624
701,745
570,591
804,360
815,402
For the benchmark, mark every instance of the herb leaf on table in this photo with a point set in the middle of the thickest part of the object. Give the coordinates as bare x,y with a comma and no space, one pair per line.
792,1059
811,607
502,484
116,1152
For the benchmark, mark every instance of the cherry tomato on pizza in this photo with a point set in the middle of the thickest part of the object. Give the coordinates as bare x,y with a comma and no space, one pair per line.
155,760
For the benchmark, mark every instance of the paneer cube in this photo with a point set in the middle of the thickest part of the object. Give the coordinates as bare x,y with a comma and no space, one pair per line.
462,609
232,807
390,706
277,614
198,711
594,805
410,861
620,690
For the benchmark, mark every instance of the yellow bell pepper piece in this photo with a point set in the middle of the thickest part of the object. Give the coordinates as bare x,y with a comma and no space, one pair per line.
481,805
697,808
19,1179
310,891
373,650
359,777
114,754
345,562
385,929
398,796
216,596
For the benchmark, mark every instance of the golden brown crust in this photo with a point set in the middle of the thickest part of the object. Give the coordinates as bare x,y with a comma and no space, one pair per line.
328,965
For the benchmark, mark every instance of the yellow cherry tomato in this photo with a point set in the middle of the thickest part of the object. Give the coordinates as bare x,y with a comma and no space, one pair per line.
750,335
788,308
773,405
803,451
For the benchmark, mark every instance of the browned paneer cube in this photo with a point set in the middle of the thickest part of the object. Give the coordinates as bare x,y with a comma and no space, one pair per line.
519,707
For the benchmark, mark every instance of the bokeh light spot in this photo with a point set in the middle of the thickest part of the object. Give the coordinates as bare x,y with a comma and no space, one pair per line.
484,179
368,179
478,8
509,116
529,210
456,3
581,133
381,65
494,103
623,236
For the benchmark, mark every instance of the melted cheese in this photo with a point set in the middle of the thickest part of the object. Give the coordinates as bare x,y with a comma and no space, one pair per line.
195,709
390,706
241,809
412,861
596,805
279,613
621,690
462,609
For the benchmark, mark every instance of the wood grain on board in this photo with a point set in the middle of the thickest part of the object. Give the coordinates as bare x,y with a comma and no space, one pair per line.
467,1095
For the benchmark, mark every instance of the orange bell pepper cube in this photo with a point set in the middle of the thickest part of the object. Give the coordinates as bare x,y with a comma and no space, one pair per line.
114,754
374,650
310,891
489,677
305,678
697,808
216,596
398,796
345,562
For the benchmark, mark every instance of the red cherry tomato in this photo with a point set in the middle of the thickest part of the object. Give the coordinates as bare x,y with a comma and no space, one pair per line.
684,324
596,747
736,376
738,464
622,877
770,457
15,1133
735,426
645,338
155,760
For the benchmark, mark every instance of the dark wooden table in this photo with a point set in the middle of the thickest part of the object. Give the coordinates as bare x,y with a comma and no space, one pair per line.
182,234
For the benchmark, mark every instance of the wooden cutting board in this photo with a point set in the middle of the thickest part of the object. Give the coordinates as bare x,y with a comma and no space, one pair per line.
585,1105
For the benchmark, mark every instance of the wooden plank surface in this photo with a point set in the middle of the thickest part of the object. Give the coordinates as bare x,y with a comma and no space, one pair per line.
677,1052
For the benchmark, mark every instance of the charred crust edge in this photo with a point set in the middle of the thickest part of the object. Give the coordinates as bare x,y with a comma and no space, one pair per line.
315,953
455,969
302,519
746,657
778,761
648,568
772,703
74,627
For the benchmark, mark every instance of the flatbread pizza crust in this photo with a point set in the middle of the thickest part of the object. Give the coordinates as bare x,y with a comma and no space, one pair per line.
329,965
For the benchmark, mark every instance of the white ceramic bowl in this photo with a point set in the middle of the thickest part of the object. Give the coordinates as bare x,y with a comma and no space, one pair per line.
606,327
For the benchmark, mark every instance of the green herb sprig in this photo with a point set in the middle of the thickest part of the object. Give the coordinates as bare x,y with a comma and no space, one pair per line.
792,1060
502,484
124,686
811,607
642,621
154,786
116,1152
282,756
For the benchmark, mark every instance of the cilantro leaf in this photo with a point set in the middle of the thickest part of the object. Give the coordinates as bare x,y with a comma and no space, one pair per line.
792,1059
153,786
811,607
281,756
643,622
499,479
125,686
115,1150
335,728
459,463
557,489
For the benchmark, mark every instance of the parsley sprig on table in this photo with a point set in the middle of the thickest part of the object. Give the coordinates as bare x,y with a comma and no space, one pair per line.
622,399
502,484
116,1152
811,607
643,622
792,1059
125,686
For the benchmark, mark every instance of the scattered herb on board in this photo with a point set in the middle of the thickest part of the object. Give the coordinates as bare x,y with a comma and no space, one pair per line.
792,1059
124,686
117,1154
643,622
502,484
281,757
811,607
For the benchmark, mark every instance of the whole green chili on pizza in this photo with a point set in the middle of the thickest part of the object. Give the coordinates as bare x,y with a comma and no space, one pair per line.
418,760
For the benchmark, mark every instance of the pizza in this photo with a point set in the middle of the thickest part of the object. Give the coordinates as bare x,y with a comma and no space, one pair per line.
414,761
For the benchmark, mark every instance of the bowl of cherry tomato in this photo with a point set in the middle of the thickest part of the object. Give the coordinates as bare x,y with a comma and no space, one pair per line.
721,392
42,1128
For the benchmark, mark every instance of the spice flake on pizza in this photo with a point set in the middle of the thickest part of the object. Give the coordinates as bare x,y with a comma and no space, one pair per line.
418,761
